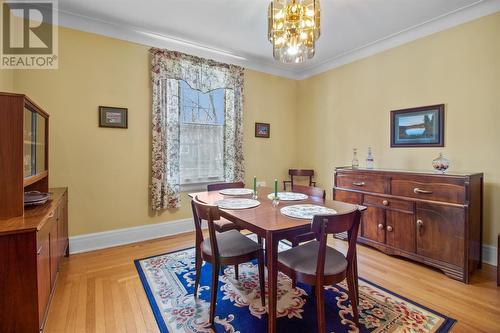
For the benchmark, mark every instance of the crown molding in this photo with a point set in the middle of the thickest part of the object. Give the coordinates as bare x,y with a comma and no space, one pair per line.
149,38
142,36
457,17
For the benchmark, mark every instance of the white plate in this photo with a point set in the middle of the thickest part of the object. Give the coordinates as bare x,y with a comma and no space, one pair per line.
288,196
237,203
306,211
236,191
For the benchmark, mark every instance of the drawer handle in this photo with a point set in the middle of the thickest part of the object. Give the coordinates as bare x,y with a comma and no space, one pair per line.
358,183
389,228
419,191
51,215
420,225
39,251
385,203
381,226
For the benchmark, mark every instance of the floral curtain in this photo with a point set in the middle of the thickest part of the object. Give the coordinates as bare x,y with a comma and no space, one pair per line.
168,68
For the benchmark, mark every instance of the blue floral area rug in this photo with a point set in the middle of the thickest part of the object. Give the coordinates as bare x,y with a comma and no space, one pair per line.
168,281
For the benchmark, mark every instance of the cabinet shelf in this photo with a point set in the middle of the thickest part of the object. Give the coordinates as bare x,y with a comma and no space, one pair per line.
33,179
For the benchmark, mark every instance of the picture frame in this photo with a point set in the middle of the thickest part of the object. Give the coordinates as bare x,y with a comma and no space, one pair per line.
418,127
113,117
262,130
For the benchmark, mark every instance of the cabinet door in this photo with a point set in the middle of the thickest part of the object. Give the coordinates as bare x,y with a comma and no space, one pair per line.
400,230
43,274
373,224
440,233
54,249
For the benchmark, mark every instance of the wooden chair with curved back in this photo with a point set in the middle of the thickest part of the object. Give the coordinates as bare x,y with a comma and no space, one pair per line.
299,173
223,224
317,264
222,248
312,191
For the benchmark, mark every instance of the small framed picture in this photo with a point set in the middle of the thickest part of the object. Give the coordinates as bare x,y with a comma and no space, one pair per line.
262,130
418,127
113,117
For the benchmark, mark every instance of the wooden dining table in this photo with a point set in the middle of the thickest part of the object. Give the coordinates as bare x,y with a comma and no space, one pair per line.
268,222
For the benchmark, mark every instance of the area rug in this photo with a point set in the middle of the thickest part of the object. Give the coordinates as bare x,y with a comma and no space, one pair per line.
168,281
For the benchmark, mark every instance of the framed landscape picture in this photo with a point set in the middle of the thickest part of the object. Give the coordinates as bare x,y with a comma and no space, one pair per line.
113,117
418,127
262,130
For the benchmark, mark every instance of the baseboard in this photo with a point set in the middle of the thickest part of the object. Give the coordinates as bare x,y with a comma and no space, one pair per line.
490,255
105,239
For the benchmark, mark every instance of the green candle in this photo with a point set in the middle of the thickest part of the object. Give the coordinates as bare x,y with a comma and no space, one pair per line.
254,184
276,188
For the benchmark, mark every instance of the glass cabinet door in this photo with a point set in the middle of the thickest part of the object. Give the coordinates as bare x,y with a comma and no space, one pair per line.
28,143
34,143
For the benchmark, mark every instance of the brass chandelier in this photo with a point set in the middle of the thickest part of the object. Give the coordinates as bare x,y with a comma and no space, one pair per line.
293,28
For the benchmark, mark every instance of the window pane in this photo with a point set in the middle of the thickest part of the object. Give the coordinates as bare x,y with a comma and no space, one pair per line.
201,135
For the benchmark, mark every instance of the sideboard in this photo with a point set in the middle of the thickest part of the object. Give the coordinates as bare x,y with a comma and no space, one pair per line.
435,219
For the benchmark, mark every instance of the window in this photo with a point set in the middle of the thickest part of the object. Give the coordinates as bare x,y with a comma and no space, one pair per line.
201,135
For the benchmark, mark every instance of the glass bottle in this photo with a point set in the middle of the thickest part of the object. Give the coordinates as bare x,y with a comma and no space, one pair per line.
369,159
355,162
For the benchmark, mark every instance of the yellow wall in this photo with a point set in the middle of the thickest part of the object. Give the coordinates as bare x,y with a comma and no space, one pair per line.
314,123
6,80
349,107
107,170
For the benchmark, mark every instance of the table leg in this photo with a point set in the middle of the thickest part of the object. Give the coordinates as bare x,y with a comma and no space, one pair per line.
272,280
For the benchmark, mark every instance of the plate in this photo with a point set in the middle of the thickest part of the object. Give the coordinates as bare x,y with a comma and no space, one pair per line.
288,196
236,191
237,203
306,212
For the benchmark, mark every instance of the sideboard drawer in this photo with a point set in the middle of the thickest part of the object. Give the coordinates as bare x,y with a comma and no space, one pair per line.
363,183
392,204
437,191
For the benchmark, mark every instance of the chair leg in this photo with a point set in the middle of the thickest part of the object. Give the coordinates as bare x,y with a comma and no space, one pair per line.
236,274
213,294
197,263
353,295
260,264
320,308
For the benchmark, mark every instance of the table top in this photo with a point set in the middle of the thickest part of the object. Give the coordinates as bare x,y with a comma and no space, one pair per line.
267,217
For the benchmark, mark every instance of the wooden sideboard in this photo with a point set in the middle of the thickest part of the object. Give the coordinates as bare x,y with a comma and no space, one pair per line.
435,219
31,249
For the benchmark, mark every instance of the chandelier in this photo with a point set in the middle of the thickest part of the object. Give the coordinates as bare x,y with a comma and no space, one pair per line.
293,28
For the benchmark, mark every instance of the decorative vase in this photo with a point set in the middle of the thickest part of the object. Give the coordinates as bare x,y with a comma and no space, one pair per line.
441,164
355,162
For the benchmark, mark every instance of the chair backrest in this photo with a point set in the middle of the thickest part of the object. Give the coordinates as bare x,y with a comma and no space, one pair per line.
301,173
223,186
209,213
315,192
324,225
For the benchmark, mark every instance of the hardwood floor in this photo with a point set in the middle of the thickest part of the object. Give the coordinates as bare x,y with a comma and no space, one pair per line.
101,292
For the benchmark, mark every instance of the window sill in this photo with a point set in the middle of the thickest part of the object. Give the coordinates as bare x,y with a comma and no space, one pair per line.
197,187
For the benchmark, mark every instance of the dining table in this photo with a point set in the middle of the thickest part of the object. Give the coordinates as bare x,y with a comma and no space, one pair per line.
267,221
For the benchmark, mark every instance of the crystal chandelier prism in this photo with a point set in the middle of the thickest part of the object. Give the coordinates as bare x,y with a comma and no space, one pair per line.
293,28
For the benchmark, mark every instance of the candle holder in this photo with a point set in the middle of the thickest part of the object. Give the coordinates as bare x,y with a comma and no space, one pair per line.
276,201
255,195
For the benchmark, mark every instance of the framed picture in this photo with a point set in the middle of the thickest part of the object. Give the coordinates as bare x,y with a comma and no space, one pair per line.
113,117
418,127
262,130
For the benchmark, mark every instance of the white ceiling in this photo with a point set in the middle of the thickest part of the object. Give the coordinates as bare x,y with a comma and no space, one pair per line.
236,30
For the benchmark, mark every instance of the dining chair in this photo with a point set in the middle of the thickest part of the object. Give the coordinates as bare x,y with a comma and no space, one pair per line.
222,248
316,193
223,224
312,191
299,173
317,264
